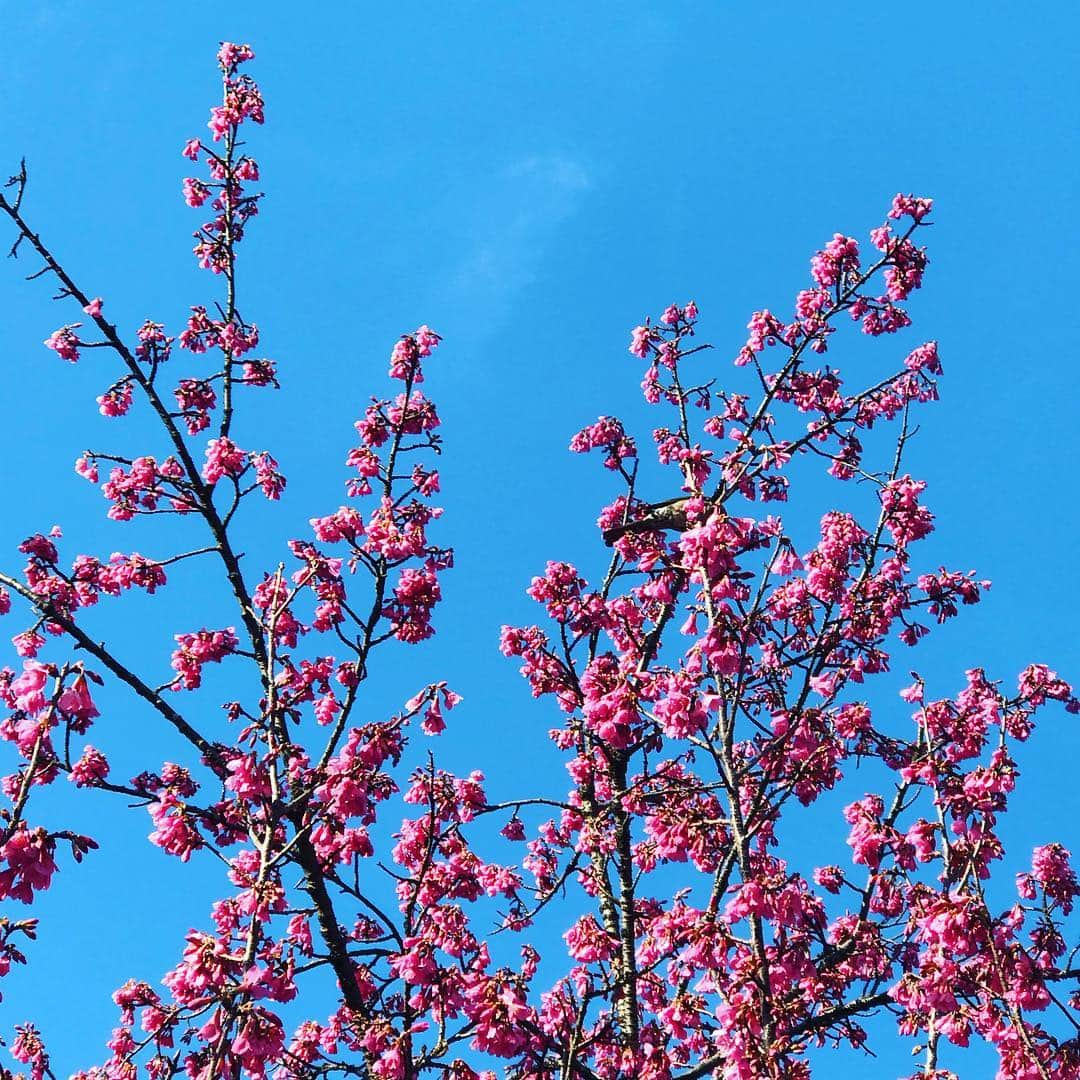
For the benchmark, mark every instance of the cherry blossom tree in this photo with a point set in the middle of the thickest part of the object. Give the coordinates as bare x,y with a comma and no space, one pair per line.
707,687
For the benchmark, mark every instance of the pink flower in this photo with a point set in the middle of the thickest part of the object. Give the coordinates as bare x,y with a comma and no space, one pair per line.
219,123
837,262
28,1048
765,330
345,524
90,769
195,650
924,358
93,309
65,343
1037,683
259,1042
588,943
1053,873
231,56
417,963
607,434
641,340
76,701
247,778
426,340
205,968
116,401
913,207
223,458
28,643
28,863
405,359
830,878
28,690
174,830
905,518
497,1007
195,192
415,594
267,475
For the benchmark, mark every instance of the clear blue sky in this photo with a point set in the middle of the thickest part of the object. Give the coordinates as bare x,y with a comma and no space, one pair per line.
532,180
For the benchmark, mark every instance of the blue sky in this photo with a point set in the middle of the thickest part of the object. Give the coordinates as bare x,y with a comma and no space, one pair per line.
532,183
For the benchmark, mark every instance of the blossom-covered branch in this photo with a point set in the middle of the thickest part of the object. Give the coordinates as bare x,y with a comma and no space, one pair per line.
710,686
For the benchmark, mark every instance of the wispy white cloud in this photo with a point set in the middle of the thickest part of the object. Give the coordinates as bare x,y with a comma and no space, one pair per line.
561,173
518,213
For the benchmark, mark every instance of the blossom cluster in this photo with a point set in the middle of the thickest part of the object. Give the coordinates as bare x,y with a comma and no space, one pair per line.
689,754
708,686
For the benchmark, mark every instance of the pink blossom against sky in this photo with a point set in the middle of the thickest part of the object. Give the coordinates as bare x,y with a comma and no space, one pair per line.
531,183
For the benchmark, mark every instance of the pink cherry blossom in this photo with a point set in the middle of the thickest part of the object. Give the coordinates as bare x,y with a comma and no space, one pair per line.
65,343
711,663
